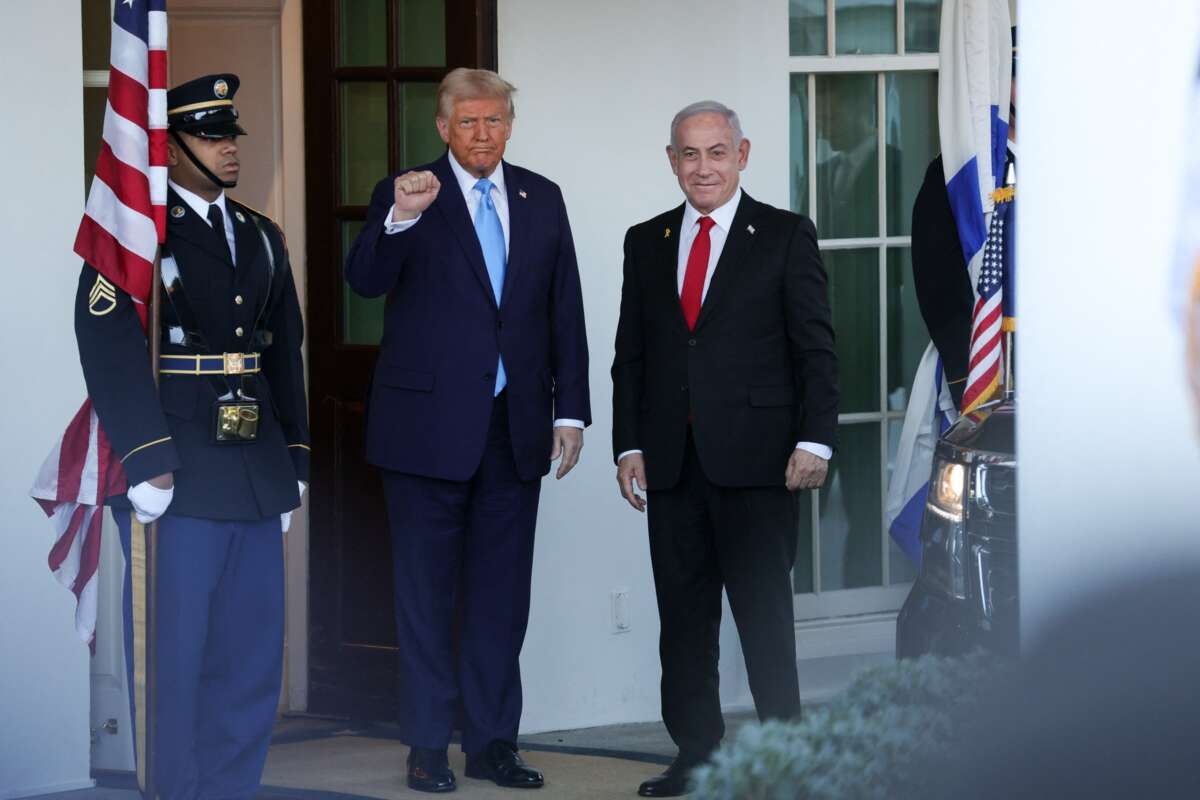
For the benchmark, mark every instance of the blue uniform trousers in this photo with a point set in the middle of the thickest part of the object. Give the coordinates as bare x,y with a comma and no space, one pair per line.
472,537
220,652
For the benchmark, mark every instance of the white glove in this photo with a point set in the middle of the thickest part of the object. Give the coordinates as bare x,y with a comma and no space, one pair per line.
149,502
285,519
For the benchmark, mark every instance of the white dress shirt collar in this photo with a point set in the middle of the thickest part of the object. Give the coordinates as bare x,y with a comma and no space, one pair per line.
722,215
467,181
198,203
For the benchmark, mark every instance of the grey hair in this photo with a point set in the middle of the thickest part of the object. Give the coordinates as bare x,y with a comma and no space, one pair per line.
472,84
707,107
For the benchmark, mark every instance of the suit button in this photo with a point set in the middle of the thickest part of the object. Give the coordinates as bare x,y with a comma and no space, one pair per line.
691,342
238,299
683,388
238,331
500,324
488,376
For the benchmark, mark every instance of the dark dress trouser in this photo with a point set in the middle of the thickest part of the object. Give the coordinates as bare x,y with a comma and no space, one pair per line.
703,537
220,652
471,539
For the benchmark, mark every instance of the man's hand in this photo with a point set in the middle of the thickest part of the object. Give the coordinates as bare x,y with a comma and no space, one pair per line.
568,442
413,193
629,469
151,498
805,470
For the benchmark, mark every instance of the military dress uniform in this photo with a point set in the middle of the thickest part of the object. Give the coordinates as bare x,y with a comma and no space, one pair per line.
230,421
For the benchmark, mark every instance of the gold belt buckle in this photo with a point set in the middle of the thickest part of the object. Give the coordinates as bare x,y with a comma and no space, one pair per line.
234,364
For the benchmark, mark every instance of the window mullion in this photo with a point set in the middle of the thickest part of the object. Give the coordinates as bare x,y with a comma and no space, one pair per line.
900,44
884,355
830,23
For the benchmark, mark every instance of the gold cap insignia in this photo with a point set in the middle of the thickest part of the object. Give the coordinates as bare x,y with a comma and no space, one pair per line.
103,297
240,216
221,89
177,212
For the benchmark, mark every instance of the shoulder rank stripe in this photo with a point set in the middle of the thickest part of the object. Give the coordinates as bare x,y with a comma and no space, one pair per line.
102,299
144,446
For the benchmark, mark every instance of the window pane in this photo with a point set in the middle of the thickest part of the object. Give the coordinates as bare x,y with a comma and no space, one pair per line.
807,30
852,512
866,26
802,571
421,143
847,157
97,33
854,295
799,144
901,569
912,142
364,140
922,24
422,37
364,33
362,318
907,335
95,100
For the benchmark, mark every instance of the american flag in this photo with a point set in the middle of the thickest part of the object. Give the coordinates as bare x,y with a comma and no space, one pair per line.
984,370
123,224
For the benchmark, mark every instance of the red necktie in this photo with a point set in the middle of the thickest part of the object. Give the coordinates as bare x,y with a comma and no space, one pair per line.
693,279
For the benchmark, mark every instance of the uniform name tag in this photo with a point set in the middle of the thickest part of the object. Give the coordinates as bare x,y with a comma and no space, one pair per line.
236,422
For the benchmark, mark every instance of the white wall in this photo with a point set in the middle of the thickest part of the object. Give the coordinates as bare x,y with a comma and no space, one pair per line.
598,84
1110,459
43,666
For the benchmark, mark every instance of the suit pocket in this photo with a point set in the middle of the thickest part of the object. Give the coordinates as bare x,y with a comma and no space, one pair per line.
397,378
772,396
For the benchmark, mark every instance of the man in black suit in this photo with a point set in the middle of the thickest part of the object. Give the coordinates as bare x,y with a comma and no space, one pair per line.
724,403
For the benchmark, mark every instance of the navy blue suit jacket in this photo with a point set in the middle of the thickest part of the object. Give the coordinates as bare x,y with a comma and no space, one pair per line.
431,398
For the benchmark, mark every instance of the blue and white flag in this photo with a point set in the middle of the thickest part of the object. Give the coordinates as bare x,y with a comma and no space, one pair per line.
974,85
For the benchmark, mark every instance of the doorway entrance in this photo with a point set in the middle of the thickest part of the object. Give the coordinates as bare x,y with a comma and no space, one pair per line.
371,71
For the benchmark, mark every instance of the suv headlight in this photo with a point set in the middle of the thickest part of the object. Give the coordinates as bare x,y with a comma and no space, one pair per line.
943,539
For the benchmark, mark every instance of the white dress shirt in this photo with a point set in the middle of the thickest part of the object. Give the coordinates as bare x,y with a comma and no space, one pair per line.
722,218
499,193
200,206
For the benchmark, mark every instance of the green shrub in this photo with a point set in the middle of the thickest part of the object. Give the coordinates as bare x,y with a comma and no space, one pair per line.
876,740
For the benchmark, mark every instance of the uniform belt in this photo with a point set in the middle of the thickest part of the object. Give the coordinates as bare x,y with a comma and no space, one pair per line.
224,364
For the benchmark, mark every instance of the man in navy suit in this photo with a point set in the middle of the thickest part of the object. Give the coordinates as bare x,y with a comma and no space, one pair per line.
482,381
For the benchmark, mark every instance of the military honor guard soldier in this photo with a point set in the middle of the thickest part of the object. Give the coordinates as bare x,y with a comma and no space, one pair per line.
219,455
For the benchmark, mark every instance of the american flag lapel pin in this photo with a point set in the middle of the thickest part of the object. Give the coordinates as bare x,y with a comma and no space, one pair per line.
522,195
751,229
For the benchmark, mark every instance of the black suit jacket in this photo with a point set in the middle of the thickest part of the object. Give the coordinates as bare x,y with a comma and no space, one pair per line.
941,279
173,430
759,372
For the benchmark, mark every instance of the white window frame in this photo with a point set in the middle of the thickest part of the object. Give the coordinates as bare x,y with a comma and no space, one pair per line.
887,597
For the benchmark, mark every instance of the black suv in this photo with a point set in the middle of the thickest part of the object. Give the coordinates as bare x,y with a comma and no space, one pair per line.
965,595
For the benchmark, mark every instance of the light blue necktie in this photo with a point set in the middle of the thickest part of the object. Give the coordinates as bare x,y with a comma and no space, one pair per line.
491,241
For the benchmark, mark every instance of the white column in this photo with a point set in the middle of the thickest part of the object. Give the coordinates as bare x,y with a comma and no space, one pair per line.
1107,442
43,666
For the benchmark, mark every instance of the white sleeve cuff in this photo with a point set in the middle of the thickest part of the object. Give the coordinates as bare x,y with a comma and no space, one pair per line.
390,227
569,423
627,453
820,450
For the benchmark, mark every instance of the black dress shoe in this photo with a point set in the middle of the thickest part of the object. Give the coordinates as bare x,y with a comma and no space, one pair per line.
674,782
429,771
501,763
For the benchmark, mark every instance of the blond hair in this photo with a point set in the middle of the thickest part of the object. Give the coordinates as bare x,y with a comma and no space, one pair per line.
472,84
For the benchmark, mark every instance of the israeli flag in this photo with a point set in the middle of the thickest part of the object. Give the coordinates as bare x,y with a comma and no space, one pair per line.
974,86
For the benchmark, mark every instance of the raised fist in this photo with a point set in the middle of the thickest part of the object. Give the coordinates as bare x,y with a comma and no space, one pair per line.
414,192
